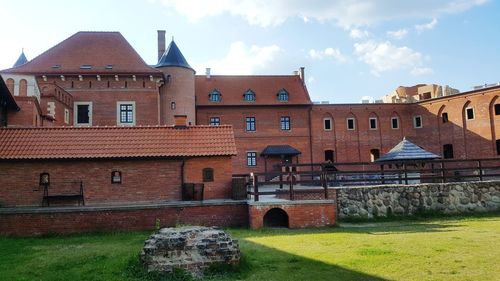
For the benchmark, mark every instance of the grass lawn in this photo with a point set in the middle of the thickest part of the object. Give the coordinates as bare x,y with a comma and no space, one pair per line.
431,249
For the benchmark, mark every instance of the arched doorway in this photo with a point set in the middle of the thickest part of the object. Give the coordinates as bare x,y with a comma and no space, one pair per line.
276,217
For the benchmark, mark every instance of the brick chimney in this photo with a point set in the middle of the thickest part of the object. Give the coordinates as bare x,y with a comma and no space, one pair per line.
161,43
180,121
302,74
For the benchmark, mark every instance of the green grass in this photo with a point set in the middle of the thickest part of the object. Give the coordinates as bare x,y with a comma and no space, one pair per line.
430,249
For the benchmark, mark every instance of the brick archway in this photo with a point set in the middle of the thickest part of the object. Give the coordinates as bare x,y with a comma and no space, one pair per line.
276,217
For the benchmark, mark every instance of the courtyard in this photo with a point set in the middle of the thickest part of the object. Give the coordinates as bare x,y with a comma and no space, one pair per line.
460,248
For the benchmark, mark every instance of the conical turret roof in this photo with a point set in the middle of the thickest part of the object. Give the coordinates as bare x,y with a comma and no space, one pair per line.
173,57
21,60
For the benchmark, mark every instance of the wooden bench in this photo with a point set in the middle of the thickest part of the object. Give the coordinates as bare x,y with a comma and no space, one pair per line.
75,193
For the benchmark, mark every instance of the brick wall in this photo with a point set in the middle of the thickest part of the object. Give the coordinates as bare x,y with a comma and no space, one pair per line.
121,219
142,180
300,213
28,116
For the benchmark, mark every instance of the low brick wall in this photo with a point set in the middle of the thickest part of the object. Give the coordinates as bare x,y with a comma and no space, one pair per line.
447,198
39,221
301,214
306,194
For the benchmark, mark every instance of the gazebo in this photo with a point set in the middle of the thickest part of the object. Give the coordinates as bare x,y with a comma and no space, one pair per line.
284,152
406,153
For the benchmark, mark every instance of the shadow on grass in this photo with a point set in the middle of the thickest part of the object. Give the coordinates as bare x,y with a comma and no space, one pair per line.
258,262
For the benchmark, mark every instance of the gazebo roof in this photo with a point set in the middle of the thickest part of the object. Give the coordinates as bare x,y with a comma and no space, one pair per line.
278,150
406,150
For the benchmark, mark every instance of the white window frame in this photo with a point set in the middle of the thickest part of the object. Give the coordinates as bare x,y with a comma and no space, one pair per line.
473,113
134,113
392,123
331,123
75,113
66,116
353,123
370,123
213,118
254,163
415,122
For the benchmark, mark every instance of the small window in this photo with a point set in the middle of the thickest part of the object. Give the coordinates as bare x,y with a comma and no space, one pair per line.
329,155
351,124
66,116
285,123
327,124
448,151
282,95
126,113
497,109
498,147
469,112
252,159
208,175
214,121
373,123
374,154
44,179
172,105
417,121
83,113
116,177
214,96
444,116
250,124
109,66
86,66
395,122
249,95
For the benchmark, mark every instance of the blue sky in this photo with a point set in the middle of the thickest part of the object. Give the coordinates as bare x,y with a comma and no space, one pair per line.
350,49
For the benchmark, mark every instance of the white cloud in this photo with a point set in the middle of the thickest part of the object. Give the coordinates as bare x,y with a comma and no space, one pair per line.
384,56
419,71
358,33
327,53
311,80
398,34
426,26
242,59
344,13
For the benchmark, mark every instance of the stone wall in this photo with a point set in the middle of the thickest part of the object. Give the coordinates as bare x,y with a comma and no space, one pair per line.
448,198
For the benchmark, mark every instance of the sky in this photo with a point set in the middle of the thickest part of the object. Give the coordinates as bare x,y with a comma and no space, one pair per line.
350,49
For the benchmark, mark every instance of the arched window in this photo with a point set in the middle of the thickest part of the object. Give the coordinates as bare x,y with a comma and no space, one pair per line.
10,85
23,88
249,95
282,95
214,96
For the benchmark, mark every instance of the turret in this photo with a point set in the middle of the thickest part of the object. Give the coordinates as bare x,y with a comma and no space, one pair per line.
177,96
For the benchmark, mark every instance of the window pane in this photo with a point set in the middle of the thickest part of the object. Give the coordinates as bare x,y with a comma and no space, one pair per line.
395,123
83,114
327,124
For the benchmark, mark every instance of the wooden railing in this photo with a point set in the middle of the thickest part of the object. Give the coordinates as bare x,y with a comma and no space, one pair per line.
326,175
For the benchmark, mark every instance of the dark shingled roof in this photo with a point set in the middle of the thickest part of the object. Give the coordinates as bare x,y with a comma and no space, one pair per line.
406,150
277,150
21,60
173,57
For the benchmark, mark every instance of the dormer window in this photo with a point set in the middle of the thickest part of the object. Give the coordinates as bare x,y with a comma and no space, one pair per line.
109,66
56,66
86,66
282,95
249,95
214,96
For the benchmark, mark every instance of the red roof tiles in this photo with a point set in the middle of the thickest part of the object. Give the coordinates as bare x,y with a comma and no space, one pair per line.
96,49
265,88
115,142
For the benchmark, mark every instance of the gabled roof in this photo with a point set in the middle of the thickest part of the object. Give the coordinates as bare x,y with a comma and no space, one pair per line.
116,142
406,150
21,60
173,57
265,87
278,150
87,52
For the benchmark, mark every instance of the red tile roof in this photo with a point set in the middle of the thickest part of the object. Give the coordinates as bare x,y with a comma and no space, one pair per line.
97,49
115,142
265,88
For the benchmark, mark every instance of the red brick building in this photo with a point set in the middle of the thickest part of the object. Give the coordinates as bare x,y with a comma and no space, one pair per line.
90,106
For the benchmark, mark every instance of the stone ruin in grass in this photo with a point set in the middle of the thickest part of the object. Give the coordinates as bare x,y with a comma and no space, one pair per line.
192,248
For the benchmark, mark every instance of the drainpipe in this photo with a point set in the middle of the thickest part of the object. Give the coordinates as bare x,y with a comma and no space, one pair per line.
310,137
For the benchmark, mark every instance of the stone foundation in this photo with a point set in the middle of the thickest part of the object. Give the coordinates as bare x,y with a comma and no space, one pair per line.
447,198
